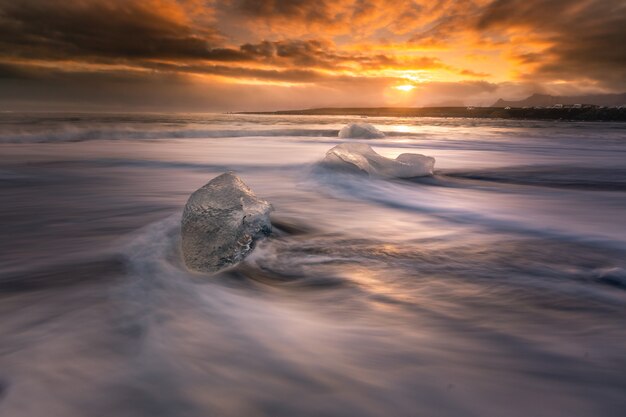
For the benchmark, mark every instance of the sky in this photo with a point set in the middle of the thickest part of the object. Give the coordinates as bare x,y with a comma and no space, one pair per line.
247,55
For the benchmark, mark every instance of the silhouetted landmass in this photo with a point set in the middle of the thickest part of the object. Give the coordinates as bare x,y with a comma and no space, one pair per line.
587,113
545,100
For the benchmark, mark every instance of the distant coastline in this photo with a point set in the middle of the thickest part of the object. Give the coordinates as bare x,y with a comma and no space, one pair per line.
587,113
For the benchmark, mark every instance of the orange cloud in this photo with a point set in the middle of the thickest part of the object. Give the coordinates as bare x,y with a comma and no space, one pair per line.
429,47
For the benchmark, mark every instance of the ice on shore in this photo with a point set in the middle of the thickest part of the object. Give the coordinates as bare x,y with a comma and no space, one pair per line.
359,157
221,222
360,131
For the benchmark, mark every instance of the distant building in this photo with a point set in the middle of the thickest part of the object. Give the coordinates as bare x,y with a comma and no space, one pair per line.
507,108
557,106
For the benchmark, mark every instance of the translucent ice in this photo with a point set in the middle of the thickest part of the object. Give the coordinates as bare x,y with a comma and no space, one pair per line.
359,157
221,222
360,131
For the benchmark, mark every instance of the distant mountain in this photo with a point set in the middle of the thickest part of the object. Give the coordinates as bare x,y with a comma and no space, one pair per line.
545,100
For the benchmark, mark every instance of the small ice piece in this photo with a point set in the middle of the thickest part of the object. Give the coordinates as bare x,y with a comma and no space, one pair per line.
360,131
221,222
359,157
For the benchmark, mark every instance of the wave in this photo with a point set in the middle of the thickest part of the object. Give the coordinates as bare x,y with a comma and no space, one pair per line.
72,134
155,164
70,272
508,212
78,134
571,177
298,257
548,176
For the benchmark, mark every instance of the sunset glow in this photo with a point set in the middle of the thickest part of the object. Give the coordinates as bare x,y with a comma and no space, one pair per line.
312,208
404,87
202,55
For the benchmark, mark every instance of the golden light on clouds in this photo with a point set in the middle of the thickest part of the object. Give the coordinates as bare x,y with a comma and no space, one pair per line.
452,52
404,87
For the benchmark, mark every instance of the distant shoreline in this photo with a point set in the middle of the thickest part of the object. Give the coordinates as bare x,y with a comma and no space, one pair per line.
612,114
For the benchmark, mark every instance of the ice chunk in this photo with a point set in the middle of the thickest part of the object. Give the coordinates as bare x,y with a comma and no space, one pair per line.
359,157
221,222
360,131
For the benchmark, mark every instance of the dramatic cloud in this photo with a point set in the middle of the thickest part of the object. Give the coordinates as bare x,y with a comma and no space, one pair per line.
584,39
111,28
301,53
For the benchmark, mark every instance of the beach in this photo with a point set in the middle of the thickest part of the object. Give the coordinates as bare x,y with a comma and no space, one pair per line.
495,287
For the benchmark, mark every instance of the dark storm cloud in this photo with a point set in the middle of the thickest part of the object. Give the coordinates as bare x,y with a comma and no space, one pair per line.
585,36
320,54
303,10
168,89
114,28
344,16
12,71
283,75
177,71
131,31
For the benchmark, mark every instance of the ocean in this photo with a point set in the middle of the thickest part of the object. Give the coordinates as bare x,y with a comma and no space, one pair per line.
496,287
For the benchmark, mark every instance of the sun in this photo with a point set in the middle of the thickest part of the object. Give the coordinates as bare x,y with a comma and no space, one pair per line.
404,87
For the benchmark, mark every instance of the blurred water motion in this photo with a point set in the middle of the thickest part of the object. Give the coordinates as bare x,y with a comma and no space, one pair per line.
495,288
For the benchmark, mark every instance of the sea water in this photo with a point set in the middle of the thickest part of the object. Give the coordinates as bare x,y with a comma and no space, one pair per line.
496,287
